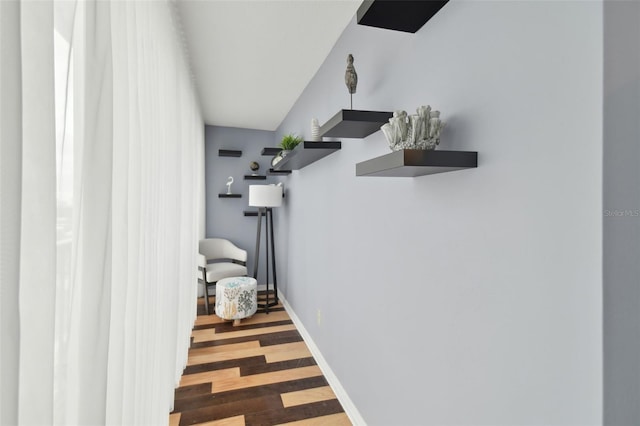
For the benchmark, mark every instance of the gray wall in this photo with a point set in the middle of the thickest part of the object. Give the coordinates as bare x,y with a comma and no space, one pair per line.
621,222
224,216
471,297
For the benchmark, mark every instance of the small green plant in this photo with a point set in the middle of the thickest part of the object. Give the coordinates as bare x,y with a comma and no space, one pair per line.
290,141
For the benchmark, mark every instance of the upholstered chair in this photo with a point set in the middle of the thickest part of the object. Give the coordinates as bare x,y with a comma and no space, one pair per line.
220,258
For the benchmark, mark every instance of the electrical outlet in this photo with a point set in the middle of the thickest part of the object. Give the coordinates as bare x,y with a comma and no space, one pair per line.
319,316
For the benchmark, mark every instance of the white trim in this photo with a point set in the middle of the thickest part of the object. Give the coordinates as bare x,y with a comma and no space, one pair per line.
348,405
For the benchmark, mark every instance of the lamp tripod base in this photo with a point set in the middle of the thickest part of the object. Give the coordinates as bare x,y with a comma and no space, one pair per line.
270,248
268,305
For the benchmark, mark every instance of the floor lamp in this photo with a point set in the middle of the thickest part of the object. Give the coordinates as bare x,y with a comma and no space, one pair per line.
265,197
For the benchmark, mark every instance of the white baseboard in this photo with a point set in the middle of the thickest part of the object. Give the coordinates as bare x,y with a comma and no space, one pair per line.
348,405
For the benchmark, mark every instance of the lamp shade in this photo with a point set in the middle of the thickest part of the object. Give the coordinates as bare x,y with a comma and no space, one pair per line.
265,196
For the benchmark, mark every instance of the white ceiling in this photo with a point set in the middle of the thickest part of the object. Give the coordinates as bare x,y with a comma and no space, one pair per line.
252,59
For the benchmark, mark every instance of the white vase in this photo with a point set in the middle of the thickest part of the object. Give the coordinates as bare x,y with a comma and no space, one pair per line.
275,160
315,130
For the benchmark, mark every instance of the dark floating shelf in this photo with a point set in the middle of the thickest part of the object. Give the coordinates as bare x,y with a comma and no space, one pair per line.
278,172
353,123
417,162
305,154
270,151
400,15
229,153
248,213
229,195
255,177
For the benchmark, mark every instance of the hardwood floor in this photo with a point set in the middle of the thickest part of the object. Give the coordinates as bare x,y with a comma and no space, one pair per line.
258,373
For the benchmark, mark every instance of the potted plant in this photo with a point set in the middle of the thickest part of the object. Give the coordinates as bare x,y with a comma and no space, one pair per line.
288,143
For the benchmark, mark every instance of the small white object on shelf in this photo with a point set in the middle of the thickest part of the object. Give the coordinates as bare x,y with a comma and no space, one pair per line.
418,131
275,160
315,130
229,182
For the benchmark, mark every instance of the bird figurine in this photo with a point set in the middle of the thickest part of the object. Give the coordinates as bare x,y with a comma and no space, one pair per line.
351,77
229,182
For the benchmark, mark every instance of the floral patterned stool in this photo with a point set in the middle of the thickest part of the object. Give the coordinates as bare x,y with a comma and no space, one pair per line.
236,298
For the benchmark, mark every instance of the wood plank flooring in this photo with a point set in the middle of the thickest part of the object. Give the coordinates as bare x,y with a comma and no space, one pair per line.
258,373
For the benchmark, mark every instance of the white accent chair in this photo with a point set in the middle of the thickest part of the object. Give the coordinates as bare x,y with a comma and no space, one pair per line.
220,258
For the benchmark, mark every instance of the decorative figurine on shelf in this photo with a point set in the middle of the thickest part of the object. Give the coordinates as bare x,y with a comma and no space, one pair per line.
315,130
351,77
229,182
418,131
254,166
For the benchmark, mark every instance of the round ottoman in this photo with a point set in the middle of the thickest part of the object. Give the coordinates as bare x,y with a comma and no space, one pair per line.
236,298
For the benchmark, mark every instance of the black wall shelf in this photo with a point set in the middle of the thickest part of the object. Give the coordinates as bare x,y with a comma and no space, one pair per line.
306,153
400,15
278,172
270,151
229,195
417,162
229,153
255,177
353,123
248,213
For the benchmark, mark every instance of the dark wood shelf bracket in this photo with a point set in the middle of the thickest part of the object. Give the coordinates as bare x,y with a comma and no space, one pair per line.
270,151
353,123
417,162
306,153
278,172
400,15
229,153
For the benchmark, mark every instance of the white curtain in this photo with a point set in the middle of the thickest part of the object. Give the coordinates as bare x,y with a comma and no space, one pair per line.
101,207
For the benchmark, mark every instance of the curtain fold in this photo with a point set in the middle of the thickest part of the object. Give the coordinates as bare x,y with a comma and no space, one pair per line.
37,277
10,177
101,211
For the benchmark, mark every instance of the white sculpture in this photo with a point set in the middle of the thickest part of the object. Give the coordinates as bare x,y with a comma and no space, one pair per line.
418,131
229,182
315,130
